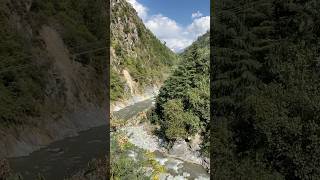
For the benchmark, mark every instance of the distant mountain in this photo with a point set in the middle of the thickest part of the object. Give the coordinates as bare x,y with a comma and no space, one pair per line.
138,58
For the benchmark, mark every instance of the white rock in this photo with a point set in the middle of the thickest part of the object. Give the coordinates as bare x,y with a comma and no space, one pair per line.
202,178
162,161
185,174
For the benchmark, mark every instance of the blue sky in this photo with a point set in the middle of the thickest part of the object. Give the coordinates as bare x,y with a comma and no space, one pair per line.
177,22
178,10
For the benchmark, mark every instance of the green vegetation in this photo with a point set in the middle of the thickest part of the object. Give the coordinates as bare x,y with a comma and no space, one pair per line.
122,166
143,163
177,122
183,105
116,84
266,90
125,167
136,50
21,85
24,64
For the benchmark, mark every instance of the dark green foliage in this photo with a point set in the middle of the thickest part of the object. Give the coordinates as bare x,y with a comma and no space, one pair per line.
21,82
265,90
182,107
178,123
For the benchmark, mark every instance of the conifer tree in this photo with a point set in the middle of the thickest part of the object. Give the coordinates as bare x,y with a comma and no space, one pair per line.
265,89
182,107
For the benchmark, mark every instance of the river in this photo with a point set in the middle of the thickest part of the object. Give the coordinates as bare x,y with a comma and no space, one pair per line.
65,157
139,136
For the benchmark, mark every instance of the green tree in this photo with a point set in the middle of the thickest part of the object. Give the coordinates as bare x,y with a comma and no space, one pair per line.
264,89
178,123
182,107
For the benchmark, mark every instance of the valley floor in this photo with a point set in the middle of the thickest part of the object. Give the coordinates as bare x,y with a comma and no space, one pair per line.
65,157
140,133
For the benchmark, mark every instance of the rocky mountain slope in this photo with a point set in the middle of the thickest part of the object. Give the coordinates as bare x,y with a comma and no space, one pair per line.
138,59
53,60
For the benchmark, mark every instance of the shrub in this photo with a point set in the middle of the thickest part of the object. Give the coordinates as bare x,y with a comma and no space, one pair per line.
178,123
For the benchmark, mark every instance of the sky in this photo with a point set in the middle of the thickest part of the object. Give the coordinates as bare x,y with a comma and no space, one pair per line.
176,22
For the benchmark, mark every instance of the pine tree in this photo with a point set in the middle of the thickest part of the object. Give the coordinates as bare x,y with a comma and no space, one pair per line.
182,107
265,90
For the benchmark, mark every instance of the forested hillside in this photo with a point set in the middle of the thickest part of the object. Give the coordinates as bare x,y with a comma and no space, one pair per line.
182,107
135,53
44,66
266,90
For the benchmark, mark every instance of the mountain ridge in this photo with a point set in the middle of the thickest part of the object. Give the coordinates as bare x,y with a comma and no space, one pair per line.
135,51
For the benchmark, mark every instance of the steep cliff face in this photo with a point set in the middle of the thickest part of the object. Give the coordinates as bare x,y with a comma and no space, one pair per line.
53,58
138,59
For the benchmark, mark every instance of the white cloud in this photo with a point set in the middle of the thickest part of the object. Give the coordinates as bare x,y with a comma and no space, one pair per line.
196,15
163,26
178,44
199,26
176,36
141,10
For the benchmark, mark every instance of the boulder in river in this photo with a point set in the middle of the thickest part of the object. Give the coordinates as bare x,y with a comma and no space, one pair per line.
182,150
179,148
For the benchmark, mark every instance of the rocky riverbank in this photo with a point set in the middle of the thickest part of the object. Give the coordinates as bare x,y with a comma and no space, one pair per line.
142,136
182,160
141,133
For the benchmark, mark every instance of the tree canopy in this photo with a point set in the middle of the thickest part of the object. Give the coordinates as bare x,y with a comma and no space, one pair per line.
182,107
265,90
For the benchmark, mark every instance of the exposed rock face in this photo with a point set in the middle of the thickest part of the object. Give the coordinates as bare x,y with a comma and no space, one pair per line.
135,52
130,83
61,60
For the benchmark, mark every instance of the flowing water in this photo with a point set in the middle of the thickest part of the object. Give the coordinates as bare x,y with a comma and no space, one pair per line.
177,168
65,157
